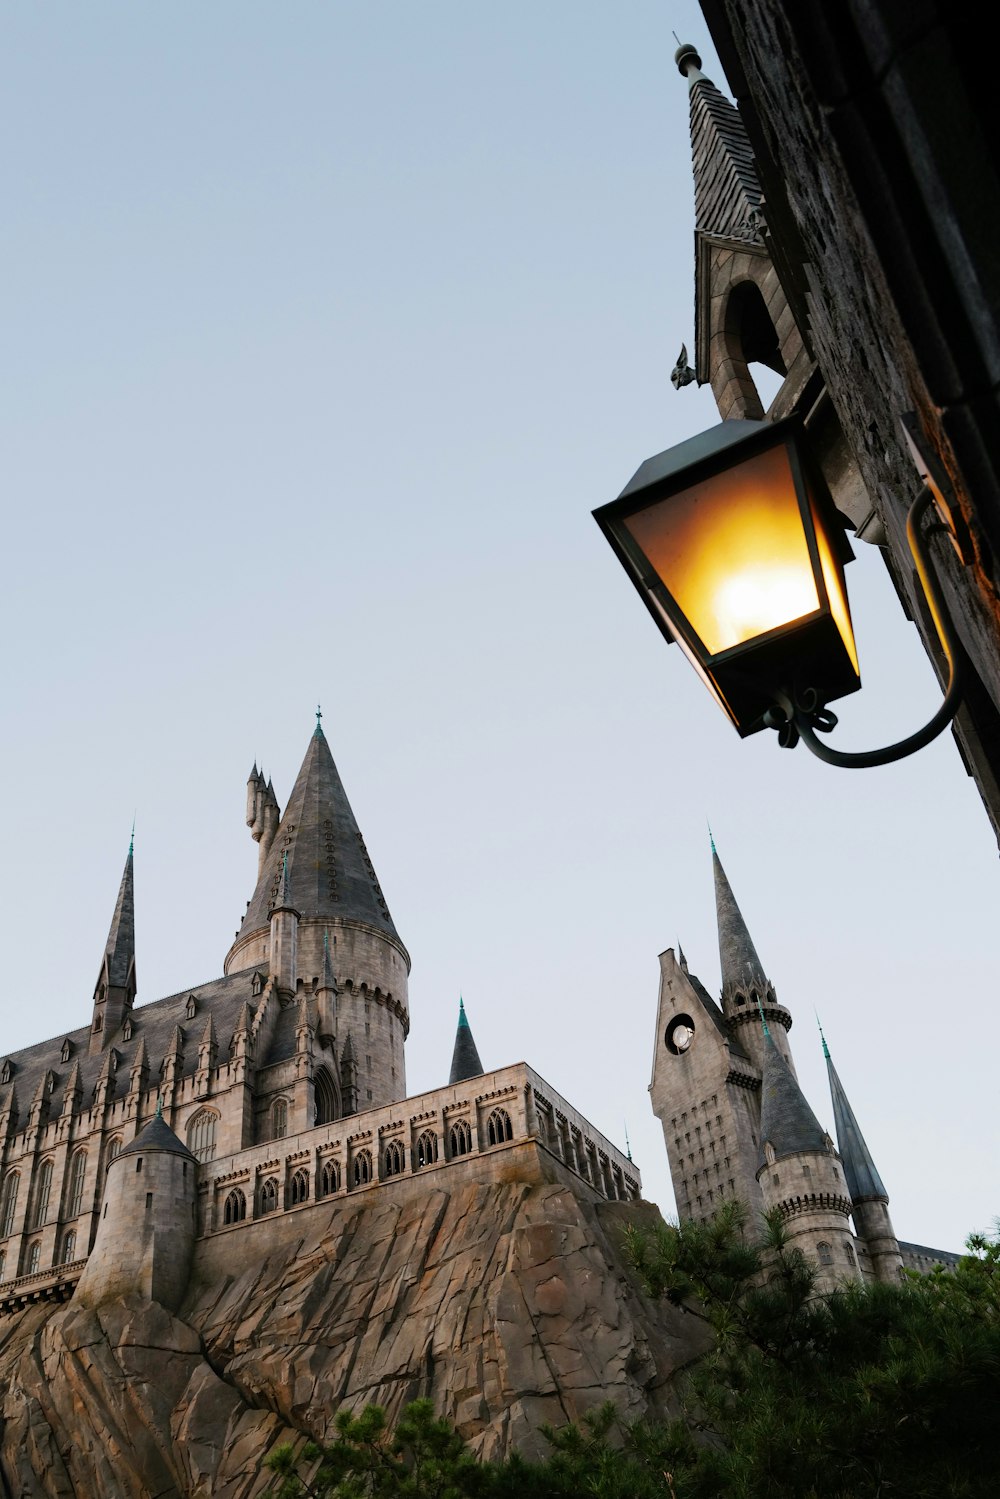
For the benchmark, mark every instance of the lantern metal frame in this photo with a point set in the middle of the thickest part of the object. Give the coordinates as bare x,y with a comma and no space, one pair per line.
794,707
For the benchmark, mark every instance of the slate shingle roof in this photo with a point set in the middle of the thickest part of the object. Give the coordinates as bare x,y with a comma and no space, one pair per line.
863,1181
741,967
786,1120
727,193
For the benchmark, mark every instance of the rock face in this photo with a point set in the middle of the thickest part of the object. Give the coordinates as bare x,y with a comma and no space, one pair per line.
509,1304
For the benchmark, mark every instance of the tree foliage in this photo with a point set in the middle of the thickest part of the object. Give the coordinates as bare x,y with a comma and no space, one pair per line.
874,1392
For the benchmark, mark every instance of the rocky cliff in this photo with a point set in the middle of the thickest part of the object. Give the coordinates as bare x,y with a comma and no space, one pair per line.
507,1303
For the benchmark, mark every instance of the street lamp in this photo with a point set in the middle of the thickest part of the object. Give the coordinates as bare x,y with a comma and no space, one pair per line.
734,545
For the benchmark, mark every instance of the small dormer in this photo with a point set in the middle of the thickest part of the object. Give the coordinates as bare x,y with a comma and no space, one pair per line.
191,1008
6,1072
66,1050
126,1029
256,985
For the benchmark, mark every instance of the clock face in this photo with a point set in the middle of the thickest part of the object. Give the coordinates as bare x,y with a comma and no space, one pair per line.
680,1034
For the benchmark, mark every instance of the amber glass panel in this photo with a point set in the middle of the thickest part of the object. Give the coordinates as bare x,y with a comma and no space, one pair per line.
732,551
833,577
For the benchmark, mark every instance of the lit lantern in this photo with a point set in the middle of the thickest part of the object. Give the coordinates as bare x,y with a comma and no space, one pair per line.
734,545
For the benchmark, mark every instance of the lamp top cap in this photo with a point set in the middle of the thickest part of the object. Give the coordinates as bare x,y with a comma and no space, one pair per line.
700,448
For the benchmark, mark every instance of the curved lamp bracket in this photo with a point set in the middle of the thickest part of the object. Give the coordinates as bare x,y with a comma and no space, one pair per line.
804,718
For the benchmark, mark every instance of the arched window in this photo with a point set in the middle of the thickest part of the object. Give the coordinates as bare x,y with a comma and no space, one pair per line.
825,1254
427,1148
279,1119
6,1072
498,1127
201,1135
34,1256
330,1178
299,1191
325,1096
127,1029
98,1023
362,1168
459,1138
269,1196
77,1177
69,1246
392,1159
9,1205
114,1148
849,1250
191,1008
67,1050
235,1209
43,1191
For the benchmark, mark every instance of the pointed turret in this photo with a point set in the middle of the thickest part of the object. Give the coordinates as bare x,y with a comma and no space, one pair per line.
787,1123
741,314
116,984
745,986
465,1061
73,1091
207,1048
869,1198
349,1076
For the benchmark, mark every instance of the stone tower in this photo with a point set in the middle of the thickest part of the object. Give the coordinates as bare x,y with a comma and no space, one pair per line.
741,314
146,1232
870,1200
801,1175
318,922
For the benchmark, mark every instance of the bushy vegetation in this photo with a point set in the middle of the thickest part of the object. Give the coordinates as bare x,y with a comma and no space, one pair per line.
874,1392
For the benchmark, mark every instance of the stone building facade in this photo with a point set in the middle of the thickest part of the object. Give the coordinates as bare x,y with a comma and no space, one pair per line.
281,1084
737,1125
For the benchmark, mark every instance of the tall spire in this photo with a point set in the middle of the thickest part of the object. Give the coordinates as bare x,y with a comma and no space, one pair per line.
742,971
727,193
863,1181
318,863
787,1123
465,1061
119,950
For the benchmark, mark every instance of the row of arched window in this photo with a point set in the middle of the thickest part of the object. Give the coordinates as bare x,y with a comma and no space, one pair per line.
33,1255
39,1208
425,1153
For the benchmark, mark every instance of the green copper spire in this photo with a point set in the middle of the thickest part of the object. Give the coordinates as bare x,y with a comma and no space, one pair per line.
763,1019
159,1105
826,1049
465,1061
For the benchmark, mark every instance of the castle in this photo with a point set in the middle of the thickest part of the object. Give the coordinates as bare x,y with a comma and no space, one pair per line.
736,1124
269,1090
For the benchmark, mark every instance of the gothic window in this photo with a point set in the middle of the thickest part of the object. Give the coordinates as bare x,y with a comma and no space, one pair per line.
269,1196
42,1193
9,1205
235,1209
325,1096
127,1029
427,1148
256,985
201,1135
330,1179
77,1176
299,1187
849,1250
69,1247
498,1127
67,1050
34,1257
98,1022
6,1072
190,1008
825,1254
459,1138
114,1148
279,1119
392,1161
362,1168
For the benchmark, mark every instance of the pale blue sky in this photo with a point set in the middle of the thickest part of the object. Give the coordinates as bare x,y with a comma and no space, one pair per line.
326,328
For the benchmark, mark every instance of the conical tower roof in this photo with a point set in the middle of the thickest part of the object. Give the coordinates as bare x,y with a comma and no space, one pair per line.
741,967
157,1135
727,193
465,1058
863,1181
119,950
329,873
786,1120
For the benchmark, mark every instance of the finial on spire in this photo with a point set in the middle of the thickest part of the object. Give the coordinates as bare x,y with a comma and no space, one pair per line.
826,1049
628,1147
159,1105
763,1017
711,837
131,841
319,716
688,62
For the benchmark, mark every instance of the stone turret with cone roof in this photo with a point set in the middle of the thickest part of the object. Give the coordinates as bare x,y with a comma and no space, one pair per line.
465,1061
115,989
741,314
318,867
870,1200
801,1175
748,995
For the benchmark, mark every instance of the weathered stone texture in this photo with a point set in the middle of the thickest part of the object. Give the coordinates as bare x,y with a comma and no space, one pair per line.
508,1303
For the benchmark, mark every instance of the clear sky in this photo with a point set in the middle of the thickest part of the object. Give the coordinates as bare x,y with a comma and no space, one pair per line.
326,327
